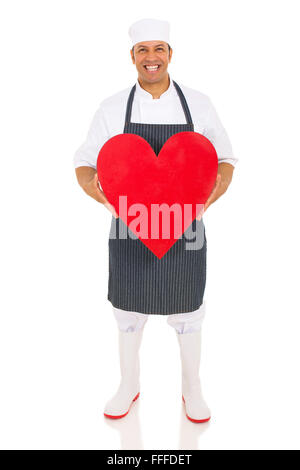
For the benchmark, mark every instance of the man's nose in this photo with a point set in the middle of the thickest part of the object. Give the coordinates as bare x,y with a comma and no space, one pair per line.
151,56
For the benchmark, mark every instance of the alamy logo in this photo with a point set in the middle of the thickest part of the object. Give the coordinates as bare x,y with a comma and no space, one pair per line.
160,222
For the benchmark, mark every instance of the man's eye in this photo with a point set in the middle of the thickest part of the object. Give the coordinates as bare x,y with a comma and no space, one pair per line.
158,49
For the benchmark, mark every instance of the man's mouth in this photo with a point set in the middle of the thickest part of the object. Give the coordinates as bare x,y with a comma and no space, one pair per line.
152,68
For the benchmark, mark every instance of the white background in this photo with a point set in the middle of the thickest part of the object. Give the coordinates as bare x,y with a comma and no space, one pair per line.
58,337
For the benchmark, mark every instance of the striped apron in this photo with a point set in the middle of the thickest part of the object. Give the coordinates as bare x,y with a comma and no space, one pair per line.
138,280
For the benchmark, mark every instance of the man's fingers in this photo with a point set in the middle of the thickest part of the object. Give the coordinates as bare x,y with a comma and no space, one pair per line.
104,199
217,183
209,200
206,204
199,216
215,189
111,209
97,187
95,181
218,179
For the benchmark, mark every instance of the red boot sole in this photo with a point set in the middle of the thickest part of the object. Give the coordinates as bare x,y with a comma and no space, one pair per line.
122,416
195,420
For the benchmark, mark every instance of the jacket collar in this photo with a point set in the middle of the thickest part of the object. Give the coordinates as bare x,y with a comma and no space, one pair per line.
141,93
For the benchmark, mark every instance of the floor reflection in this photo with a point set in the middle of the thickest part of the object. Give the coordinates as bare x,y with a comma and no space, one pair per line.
130,432
190,432
129,429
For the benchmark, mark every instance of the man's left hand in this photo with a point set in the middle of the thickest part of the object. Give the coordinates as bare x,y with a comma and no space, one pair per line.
223,180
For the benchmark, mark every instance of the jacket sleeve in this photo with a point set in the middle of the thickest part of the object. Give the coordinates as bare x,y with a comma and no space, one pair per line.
87,153
215,132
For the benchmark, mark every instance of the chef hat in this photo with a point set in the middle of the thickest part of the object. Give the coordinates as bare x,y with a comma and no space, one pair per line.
149,29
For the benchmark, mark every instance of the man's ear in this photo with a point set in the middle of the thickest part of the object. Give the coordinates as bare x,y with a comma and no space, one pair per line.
132,56
170,54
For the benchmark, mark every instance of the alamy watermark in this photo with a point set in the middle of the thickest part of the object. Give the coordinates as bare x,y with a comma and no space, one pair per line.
166,222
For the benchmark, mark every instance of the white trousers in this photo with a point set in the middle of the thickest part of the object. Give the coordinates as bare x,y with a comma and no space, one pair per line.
182,322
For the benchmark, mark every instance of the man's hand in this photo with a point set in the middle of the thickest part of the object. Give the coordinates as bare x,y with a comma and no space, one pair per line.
214,195
223,180
88,179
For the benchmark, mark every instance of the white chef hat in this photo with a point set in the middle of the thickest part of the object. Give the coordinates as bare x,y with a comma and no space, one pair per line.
149,29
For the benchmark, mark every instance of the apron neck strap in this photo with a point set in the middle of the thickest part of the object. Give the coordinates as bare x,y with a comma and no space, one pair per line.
129,105
184,104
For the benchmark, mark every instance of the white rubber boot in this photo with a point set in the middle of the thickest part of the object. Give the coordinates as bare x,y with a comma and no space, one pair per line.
190,348
129,388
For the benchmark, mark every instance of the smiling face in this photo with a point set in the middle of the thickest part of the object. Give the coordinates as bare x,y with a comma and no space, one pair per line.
151,59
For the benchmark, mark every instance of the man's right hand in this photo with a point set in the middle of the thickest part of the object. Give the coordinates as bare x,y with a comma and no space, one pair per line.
88,179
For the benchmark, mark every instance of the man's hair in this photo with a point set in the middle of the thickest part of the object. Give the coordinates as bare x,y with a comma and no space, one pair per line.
169,47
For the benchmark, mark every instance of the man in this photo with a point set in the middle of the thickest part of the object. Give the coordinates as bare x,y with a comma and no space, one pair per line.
155,108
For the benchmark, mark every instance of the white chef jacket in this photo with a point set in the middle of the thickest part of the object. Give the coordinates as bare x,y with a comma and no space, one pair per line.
109,121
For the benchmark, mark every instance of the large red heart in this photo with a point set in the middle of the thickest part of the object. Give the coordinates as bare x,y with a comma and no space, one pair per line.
183,173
